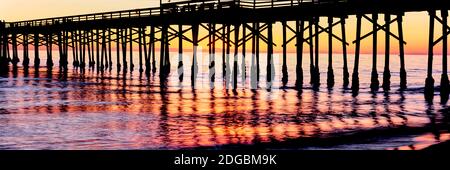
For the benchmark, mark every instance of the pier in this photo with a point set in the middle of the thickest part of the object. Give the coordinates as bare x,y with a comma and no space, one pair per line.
232,24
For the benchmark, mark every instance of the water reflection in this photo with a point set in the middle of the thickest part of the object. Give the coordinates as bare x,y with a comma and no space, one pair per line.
87,109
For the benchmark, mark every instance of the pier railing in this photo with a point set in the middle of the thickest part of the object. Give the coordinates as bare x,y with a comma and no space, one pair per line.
172,7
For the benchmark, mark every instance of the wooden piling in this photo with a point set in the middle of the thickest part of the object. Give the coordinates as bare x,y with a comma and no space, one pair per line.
330,73
284,71
403,80
37,60
140,32
387,73
345,73
26,59
194,67
131,50
355,75
311,53
299,46
180,53
212,65
269,53
124,49
429,81
374,83
235,57
444,89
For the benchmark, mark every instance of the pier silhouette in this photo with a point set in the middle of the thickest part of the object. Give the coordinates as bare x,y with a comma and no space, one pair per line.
96,35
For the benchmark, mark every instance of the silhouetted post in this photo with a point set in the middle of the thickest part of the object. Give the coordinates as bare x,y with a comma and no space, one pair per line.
88,43
387,73
257,50
227,56
118,31
284,71
444,77
224,43
299,70
311,53
146,53
429,82
124,49
194,68
253,63
212,61
269,52
82,49
75,63
316,53
49,51
345,73
97,47
375,84
93,49
235,58
330,75
66,50
180,53
141,69
26,59
403,80
37,60
104,53
152,44
15,58
131,50
243,66
109,48
355,75
167,54
60,49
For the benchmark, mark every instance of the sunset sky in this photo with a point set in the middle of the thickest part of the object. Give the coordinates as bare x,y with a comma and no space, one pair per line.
415,24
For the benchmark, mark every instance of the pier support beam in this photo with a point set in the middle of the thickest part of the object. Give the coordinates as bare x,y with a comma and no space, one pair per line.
124,37
355,75
235,57
152,49
180,53
97,48
330,74
257,39
299,47
212,58
387,73
49,51
75,62
403,80
311,53
345,73
316,84
284,71
26,59
444,89
37,60
109,65
15,58
82,41
131,50
429,81
140,32
118,31
194,67
374,83
269,55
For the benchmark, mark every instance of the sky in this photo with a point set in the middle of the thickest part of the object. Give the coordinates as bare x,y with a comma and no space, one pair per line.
415,24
